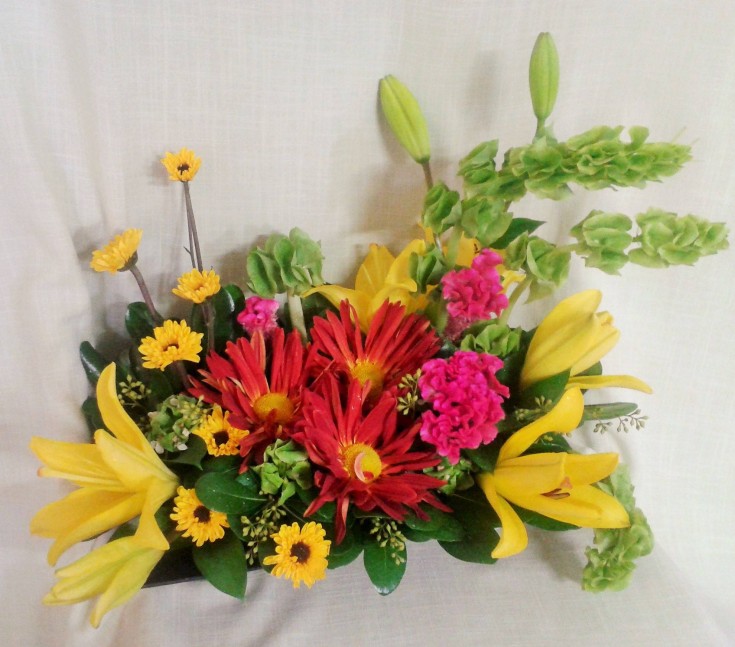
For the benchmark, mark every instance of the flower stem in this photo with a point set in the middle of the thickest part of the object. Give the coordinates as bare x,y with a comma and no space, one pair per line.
208,312
427,175
296,312
146,294
512,300
193,237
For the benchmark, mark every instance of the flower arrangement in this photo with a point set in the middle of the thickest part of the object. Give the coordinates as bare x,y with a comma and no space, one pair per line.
299,425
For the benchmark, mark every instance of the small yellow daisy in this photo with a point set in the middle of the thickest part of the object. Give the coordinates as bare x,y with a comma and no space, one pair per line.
119,254
172,341
221,437
301,554
199,522
181,166
197,286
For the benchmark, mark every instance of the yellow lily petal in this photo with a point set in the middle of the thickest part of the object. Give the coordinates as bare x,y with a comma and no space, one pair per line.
514,537
605,339
133,467
126,583
149,533
533,473
372,274
467,251
563,418
335,294
586,382
79,463
81,515
585,506
583,469
119,423
399,275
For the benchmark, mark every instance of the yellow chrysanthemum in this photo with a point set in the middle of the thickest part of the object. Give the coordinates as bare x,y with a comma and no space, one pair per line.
199,522
119,254
197,286
171,342
181,166
221,437
301,553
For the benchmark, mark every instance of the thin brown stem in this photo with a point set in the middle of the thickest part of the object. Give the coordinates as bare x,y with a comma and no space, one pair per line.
146,294
193,237
208,312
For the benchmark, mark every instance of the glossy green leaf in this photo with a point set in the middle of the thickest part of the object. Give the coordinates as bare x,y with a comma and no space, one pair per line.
195,451
381,567
224,565
479,521
344,553
551,388
439,525
92,361
608,411
138,321
221,492
92,415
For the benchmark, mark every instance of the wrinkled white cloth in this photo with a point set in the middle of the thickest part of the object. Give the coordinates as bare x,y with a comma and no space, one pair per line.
279,99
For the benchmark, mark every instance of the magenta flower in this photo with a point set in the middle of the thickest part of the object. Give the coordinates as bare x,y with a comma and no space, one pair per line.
473,293
466,400
259,314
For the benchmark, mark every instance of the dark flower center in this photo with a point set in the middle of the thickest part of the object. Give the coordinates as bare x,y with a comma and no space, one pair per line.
220,438
184,167
201,514
300,551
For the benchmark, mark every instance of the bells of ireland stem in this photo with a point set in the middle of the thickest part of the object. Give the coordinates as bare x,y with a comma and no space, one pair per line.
543,77
405,118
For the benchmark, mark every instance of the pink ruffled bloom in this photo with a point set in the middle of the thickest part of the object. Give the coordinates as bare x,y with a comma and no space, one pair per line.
474,293
259,314
466,400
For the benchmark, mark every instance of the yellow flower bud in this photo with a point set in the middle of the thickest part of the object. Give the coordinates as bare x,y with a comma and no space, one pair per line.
405,118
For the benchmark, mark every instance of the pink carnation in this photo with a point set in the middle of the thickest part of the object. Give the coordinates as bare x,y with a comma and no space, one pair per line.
474,293
466,400
259,314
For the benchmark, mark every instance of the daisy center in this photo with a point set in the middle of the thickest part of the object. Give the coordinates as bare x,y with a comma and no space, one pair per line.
301,552
362,462
276,405
364,370
182,167
220,438
201,514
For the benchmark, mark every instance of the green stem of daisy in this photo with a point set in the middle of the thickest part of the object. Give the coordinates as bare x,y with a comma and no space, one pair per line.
520,289
180,369
146,294
296,312
193,237
427,174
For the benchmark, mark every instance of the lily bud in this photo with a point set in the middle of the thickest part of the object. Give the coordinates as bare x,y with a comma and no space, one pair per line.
543,76
405,118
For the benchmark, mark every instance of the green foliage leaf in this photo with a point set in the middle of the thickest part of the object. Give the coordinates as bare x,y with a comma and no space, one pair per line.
92,362
608,411
479,521
440,525
138,321
224,565
485,456
517,227
92,415
381,567
227,304
550,388
344,553
220,491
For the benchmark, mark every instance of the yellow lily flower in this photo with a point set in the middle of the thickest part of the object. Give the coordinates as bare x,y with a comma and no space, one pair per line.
120,477
381,277
115,572
555,485
575,336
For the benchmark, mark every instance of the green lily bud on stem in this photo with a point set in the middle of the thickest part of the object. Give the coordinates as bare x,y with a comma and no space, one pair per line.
543,77
405,118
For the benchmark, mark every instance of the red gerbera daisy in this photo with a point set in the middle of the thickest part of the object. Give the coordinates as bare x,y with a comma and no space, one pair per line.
396,344
366,459
266,405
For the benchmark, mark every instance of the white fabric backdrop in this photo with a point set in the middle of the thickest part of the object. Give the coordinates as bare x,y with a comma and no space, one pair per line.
279,99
